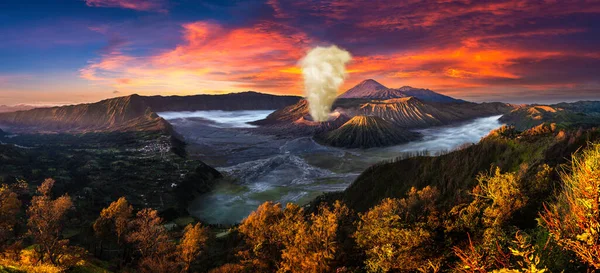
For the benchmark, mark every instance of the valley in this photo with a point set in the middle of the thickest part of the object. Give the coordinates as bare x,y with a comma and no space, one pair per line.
261,167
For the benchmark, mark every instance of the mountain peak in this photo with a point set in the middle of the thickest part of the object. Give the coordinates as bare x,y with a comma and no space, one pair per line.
371,83
370,89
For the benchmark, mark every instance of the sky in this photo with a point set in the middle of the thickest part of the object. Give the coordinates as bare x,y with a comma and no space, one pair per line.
73,51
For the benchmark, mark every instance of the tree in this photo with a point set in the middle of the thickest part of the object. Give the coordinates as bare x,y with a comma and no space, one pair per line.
397,234
158,252
46,223
261,234
114,219
194,239
10,206
312,245
574,221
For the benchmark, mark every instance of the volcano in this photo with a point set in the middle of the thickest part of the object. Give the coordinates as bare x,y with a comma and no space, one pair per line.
366,132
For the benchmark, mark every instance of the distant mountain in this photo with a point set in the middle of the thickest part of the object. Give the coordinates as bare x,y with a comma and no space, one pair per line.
366,132
582,114
426,95
14,108
371,89
227,102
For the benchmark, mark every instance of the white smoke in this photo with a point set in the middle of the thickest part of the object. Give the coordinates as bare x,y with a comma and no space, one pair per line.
324,70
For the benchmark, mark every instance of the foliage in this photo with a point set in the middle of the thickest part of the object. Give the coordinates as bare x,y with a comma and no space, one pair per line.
10,206
312,246
152,241
504,192
286,241
46,222
114,219
574,221
194,239
398,234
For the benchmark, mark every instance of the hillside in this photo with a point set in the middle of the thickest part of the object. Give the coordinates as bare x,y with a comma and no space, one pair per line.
371,89
584,114
453,172
366,132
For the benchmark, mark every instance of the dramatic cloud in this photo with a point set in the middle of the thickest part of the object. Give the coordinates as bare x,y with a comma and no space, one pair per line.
506,50
141,5
211,57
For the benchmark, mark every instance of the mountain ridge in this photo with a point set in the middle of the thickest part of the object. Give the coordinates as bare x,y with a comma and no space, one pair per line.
133,112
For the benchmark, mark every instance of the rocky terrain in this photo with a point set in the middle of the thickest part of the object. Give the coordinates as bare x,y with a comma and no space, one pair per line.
366,132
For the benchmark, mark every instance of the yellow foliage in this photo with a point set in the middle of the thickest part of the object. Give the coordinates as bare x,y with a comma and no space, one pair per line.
194,239
504,192
287,241
574,222
397,233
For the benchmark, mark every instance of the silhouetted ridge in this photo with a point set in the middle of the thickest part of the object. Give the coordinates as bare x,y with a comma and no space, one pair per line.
227,102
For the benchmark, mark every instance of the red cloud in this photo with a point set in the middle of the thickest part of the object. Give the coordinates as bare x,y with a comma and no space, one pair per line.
141,5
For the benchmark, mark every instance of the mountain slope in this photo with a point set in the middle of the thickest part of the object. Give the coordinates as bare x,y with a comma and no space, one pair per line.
366,132
119,114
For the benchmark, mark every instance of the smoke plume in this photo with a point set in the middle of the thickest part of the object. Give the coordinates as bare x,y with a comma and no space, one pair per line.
324,70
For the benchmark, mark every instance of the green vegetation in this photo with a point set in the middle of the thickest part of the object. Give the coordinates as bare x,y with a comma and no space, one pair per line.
96,168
